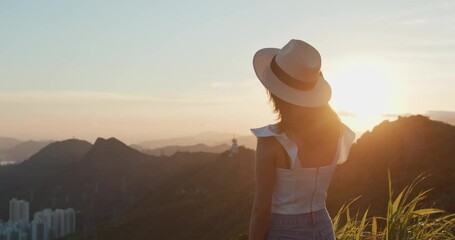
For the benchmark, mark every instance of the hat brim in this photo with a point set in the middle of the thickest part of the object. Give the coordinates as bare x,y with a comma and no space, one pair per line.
318,96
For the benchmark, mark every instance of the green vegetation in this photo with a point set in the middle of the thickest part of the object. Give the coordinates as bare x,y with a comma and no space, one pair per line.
405,219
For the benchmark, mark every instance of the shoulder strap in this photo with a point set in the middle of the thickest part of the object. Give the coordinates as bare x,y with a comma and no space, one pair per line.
339,146
346,142
265,131
286,143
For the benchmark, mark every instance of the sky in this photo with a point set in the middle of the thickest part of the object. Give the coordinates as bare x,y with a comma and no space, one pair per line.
141,70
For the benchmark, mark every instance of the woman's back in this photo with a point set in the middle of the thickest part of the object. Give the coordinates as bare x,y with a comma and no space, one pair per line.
302,188
296,158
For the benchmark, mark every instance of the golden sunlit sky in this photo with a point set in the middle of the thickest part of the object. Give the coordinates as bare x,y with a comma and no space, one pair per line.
141,70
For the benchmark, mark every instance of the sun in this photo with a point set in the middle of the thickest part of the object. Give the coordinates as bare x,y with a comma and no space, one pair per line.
363,89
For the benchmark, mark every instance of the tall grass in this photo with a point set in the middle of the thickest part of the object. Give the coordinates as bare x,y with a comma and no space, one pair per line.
405,219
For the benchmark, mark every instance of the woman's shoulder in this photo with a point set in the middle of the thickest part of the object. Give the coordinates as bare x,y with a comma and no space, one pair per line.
348,134
270,130
266,138
346,143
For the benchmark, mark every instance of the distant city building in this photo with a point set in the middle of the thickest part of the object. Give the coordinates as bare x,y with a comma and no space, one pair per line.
46,224
57,224
12,231
18,210
39,231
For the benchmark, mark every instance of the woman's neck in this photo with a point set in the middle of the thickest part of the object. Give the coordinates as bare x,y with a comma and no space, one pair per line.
304,131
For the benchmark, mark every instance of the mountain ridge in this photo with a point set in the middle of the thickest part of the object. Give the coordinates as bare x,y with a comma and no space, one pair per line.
170,150
223,191
24,150
129,192
67,150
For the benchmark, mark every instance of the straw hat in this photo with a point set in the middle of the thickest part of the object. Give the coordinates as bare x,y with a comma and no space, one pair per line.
293,73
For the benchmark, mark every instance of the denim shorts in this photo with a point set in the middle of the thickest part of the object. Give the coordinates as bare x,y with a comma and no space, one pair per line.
307,226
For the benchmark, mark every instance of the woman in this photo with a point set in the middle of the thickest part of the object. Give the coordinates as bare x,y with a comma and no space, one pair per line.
296,157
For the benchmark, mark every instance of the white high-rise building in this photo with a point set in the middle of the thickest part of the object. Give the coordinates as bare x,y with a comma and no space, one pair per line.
72,220
61,222
39,230
19,210
56,224
14,234
46,224
41,227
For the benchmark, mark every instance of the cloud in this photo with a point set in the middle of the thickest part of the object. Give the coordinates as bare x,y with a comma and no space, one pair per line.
395,115
101,97
347,114
233,84
414,22
444,116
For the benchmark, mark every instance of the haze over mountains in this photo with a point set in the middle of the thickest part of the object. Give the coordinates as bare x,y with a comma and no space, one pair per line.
119,190
214,200
7,142
208,138
100,180
171,150
14,151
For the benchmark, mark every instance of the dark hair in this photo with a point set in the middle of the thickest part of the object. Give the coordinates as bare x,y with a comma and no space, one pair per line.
308,117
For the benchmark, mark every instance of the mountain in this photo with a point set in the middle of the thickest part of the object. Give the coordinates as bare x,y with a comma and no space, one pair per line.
122,193
61,152
112,150
407,147
100,181
29,179
209,138
171,150
23,151
214,200
211,201
7,142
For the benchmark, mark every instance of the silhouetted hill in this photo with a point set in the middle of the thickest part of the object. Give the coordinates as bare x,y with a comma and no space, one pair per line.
113,149
214,200
24,150
61,152
49,158
209,196
29,178
209,138
100,181
171,150
408,147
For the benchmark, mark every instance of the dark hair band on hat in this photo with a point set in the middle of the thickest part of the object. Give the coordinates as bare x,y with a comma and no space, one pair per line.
288,79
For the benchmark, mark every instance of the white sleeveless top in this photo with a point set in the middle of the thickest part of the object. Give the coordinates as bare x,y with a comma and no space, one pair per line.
302,190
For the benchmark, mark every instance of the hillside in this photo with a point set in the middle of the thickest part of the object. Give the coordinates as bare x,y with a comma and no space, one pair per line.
60,152
29,179
408,147
214,201
171,150
207,138
207,202
99,181
138,196
23,150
